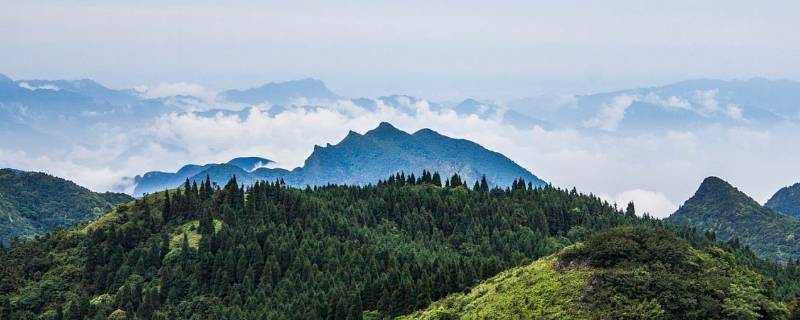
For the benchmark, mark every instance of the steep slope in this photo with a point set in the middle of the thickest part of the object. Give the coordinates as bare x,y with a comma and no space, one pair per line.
33,203
719,207
786,200
363,159
623,273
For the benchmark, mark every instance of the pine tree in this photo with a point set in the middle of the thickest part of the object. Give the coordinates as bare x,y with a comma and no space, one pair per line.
166,210
484,183
630,210
437,180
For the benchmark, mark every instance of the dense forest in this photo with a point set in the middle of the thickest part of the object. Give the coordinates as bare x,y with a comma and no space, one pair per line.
269,251
34,203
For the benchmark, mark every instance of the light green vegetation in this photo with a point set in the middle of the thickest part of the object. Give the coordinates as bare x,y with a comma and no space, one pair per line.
192,236
535,291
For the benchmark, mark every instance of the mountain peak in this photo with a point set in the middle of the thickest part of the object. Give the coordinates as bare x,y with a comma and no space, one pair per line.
720,207
249,164
385,129
426,132
713,183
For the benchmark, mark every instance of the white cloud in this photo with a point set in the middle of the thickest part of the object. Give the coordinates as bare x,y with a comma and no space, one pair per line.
654,203
734,112
611,114
26,85
163,90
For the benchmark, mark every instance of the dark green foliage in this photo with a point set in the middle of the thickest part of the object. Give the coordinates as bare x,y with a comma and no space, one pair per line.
33,203
270,251
630,246
335,252
642,272
786,200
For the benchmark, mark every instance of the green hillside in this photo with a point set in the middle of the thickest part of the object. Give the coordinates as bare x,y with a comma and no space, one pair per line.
623,273
275,252
33,203
730,214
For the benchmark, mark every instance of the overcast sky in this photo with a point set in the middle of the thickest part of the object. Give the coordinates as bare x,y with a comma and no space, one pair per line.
437,50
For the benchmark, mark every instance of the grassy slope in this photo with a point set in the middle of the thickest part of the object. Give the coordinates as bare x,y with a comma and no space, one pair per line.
622,274
535,291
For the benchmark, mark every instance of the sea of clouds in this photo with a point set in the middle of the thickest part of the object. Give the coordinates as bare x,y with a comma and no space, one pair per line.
657,171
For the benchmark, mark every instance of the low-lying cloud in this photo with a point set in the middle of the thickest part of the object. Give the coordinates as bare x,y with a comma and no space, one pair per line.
657,171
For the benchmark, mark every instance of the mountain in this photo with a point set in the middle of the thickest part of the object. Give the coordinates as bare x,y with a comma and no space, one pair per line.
250,164
33,203
689,104
693,103
363,159
719,207
786,200
623,273
85,87
281,93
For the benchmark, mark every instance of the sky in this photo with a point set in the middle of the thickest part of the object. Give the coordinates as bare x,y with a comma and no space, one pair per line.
434,49
444,50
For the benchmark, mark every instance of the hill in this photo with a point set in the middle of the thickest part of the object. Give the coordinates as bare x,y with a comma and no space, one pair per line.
363,159
33,203
622,273
719,207
276,252
786,200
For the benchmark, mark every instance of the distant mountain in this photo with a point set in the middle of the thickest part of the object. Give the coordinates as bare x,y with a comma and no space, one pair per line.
719,207
85,87
250,164
786,200
691,103
677,106
281,93
362,159
33,203
155,181
41,116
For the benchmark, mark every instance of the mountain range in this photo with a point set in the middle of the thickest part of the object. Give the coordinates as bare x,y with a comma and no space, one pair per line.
51,113
361,159
33,203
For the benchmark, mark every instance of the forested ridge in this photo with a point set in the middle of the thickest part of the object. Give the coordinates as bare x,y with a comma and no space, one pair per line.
34,203
269,251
